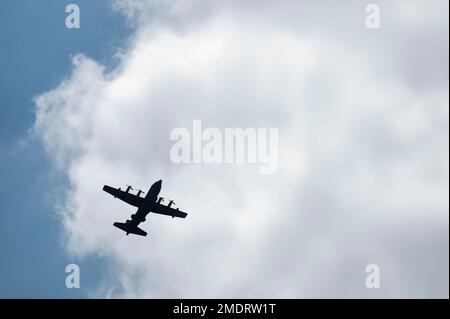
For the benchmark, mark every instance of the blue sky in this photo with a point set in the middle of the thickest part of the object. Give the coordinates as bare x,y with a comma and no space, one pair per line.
35,56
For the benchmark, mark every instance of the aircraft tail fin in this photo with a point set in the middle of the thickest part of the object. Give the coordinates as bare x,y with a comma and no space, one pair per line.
129,229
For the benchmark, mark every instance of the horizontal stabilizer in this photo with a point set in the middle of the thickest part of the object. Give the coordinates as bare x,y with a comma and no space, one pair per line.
129,229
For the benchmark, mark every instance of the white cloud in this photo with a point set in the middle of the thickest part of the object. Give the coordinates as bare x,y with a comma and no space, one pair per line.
363,172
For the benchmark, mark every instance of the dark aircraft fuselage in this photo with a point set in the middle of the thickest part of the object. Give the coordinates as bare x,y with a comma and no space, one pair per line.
150,199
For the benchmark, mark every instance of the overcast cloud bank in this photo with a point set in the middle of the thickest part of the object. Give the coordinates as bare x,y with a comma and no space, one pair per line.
363,149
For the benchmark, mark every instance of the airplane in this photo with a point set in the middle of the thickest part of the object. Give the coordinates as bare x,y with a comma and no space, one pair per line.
148,204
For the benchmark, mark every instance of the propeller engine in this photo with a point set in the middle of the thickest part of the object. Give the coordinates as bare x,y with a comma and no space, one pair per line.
170,203
140,192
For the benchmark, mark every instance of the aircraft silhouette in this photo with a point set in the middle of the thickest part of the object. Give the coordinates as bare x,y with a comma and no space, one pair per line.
145,205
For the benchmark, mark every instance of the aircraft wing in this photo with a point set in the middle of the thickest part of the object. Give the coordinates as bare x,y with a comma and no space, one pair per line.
122,195
165,210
